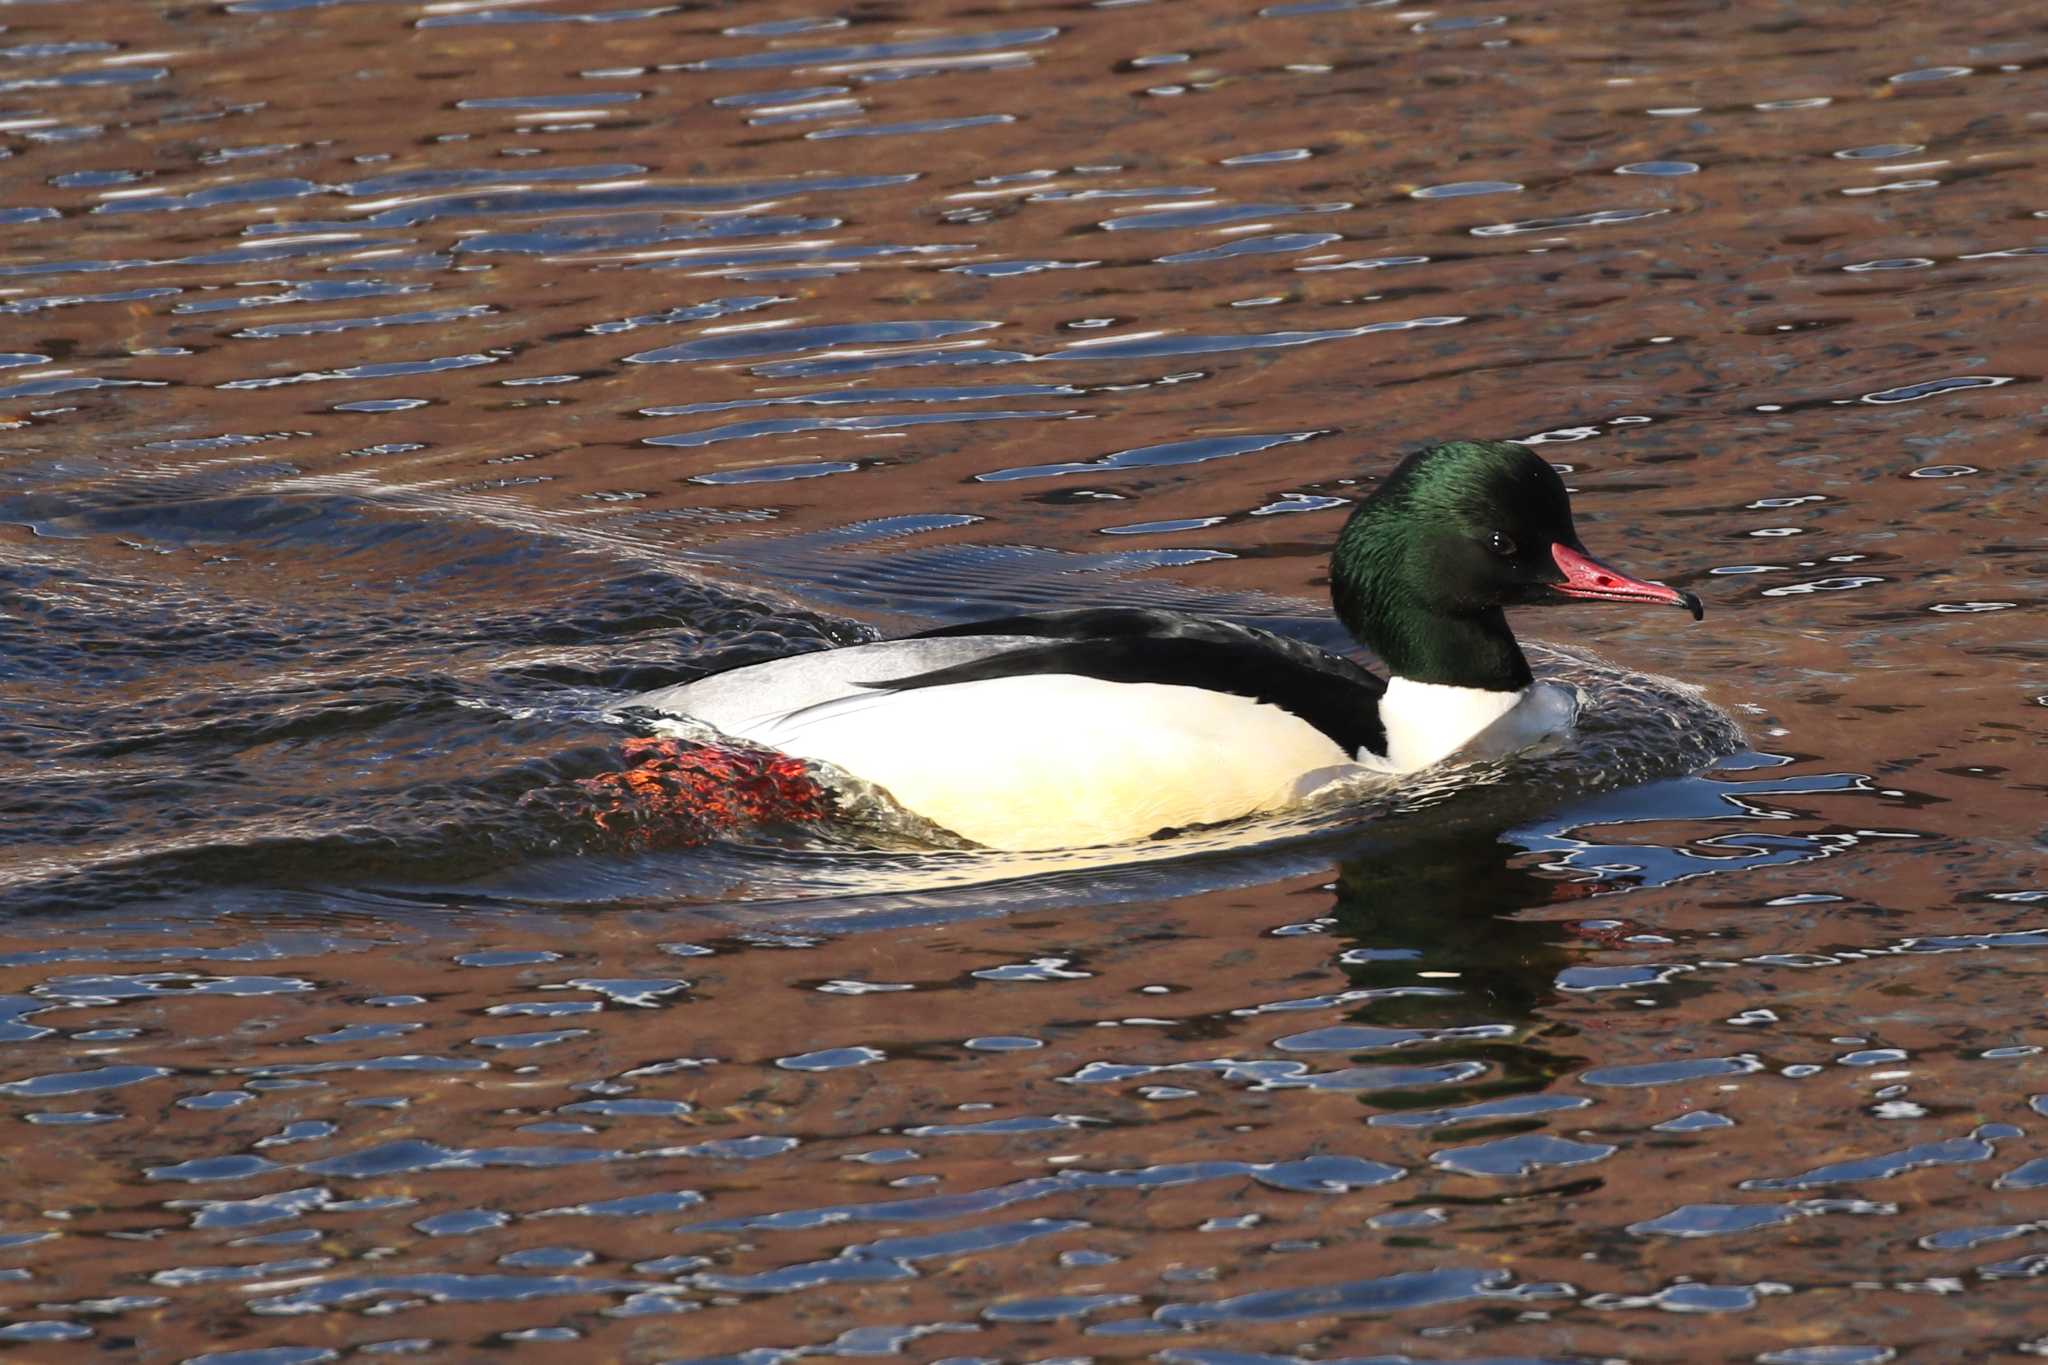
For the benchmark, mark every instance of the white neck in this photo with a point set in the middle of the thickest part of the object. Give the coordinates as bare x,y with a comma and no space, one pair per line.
1428,722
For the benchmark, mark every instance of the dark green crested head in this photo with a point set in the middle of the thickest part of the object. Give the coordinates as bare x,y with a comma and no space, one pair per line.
1456,533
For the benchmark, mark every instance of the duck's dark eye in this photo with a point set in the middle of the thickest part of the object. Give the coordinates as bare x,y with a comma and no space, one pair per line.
1501,544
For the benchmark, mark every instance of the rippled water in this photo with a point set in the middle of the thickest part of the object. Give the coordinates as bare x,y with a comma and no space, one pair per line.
390,389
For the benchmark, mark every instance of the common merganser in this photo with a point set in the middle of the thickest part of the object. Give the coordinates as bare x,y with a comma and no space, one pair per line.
1098,726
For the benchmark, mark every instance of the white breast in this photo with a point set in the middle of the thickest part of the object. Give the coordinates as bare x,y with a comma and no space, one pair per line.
1428,722
1056,760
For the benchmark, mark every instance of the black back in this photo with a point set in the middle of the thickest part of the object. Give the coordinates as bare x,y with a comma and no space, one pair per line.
1144,645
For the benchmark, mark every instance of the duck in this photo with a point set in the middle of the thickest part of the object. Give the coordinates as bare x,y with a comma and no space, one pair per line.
1106,725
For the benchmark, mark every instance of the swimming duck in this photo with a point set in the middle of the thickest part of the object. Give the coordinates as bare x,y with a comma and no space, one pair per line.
1096,726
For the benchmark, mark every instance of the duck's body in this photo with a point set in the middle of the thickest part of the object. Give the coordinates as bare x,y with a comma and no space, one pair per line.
1071,727
1102,726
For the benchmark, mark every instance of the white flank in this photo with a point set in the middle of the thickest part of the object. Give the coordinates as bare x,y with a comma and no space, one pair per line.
1060,761
1428,722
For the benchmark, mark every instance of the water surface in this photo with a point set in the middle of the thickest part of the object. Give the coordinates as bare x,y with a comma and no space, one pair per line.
391,388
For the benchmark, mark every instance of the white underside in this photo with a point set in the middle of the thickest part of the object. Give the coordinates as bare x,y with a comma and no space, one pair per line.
1060,761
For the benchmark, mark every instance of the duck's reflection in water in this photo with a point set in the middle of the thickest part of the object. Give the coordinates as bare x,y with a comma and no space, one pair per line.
1454,950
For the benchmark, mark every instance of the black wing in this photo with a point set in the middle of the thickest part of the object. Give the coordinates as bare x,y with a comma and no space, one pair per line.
1142,645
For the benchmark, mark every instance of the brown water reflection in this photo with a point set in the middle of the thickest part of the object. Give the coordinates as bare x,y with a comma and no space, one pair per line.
391,387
